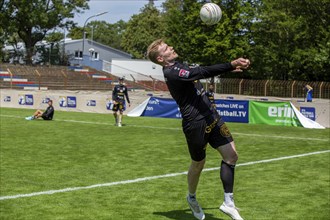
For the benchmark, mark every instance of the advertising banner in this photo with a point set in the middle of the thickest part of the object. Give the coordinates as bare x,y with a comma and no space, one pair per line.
25,99
7,98
308,112
68,101
161,107
233,110
272,113
304,121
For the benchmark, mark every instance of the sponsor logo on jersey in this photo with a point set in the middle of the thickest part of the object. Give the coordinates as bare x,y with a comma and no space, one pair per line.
224,131
209,128
184,73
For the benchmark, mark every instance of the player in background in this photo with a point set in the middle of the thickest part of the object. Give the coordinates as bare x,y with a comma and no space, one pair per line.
210,95
200,121
46,115
119,94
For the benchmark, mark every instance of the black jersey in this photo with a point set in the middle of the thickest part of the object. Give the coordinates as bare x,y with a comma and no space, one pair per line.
119,93
184,86
49,113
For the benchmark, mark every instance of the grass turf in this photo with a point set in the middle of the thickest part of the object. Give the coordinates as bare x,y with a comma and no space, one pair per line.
83,149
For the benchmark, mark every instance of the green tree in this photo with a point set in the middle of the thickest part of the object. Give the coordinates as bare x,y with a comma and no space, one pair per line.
2,32
51,51
75,32
106,33
291,40
141,30
102,32
199,43
32,19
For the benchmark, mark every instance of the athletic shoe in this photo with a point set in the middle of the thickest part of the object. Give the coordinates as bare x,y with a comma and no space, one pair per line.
29,118
231,211
195,208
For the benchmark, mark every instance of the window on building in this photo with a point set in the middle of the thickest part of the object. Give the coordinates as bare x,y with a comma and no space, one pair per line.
78,54
96,55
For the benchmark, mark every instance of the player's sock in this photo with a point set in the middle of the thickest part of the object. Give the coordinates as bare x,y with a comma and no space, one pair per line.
192,195
116,118
119,119
227,176
229,199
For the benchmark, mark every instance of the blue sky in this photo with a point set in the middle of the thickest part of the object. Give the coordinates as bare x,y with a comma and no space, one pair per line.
117,9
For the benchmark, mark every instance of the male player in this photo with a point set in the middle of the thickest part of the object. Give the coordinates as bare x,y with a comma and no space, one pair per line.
118,97
46,115
210,95
201,123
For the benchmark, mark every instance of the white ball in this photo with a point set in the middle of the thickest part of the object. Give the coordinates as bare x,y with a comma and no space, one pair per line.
210,13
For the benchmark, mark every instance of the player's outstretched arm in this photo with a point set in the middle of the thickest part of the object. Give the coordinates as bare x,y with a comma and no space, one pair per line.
240,64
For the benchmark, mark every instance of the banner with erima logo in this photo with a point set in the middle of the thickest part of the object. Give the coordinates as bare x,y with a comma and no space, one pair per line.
254,112
272,113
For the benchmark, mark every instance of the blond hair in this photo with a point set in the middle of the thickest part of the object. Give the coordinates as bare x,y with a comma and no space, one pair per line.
152,52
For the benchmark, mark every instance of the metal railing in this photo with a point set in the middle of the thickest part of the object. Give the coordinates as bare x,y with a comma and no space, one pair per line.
62,78
278,88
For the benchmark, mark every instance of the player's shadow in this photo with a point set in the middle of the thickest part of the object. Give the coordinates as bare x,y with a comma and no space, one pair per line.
186,214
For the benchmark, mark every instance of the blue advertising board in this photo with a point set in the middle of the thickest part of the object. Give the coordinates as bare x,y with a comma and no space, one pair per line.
233,110
68,101
91,103
24,99
161,107
308,112
230,110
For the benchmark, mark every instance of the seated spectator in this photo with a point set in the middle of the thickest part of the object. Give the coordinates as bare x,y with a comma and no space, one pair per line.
46,115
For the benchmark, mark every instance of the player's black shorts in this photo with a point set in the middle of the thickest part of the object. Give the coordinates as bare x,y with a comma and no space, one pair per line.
212,130
119,106
45,117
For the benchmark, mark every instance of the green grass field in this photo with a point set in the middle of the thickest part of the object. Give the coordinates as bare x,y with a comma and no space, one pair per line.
99,171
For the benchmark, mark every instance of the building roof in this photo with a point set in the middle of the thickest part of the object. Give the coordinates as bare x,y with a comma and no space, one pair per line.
70,41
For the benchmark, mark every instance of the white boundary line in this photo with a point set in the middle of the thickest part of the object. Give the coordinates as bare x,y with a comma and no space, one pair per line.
177,129
151,177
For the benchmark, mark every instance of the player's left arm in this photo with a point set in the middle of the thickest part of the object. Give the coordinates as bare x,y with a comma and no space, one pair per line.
185,73
234,66
127,98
